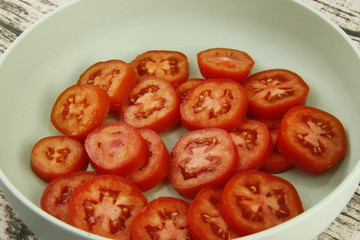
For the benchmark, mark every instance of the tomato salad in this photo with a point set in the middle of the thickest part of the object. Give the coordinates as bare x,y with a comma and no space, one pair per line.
241,129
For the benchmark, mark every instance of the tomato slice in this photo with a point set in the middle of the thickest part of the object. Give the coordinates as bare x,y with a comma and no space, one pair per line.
156,165
272,92
56,195
202,158
106,205
80,109
170,65
116,77
253,201
153,104
183,88
116,148
225,63
276,162
311,139
253,143
214,103
162,218
204,218
55,156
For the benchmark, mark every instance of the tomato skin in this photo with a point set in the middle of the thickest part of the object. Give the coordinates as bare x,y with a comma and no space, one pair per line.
276,162
156,166
116,77
205,157
275,200
311,139
80,109
253,142
204,219
170,65
116,148
56,195
214,103
162,218
55,156
272,92
225,63
106,205
153,104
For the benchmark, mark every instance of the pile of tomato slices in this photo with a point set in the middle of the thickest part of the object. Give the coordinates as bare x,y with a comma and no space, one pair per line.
242,129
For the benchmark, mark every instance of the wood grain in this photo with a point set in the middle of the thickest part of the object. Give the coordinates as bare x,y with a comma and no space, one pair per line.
18,15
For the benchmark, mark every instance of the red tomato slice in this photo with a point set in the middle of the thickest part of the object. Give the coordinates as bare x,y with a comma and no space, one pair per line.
79,110
170,65
55,156
162,218
214,103
116,77
106,205
116,148
56,195
204,219
253,201
311,139
202,158
253,143
156,166
225,63
183,88
272,92
276,162
152,104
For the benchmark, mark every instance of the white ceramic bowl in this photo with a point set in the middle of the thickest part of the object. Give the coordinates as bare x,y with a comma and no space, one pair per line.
52,53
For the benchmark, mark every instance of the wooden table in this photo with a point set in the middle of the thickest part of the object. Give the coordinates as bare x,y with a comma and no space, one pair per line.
17,15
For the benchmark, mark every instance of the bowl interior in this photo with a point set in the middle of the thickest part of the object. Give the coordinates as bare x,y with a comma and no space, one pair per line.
52,54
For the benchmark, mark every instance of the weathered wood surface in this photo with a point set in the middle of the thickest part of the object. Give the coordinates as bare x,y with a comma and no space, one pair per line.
17,15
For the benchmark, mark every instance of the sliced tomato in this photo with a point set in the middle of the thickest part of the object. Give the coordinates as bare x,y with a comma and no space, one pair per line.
153,104
170,65
215,103
116,148
253,143
116,77
276,162
106,205
56,195
225,63
183,88
80,109
253,201
156,165
55,156
311,139
204,218
272,92
162,218
201,158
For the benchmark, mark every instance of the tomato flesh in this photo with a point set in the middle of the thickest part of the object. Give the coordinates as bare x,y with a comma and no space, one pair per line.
214,103
253,201
311,139
55,156
116,77
170,65
272,92
201,158
80,109
225,63
162,218
106,205
183,88
153,104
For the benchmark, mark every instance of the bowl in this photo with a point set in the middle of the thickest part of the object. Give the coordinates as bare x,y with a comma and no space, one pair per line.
52,53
